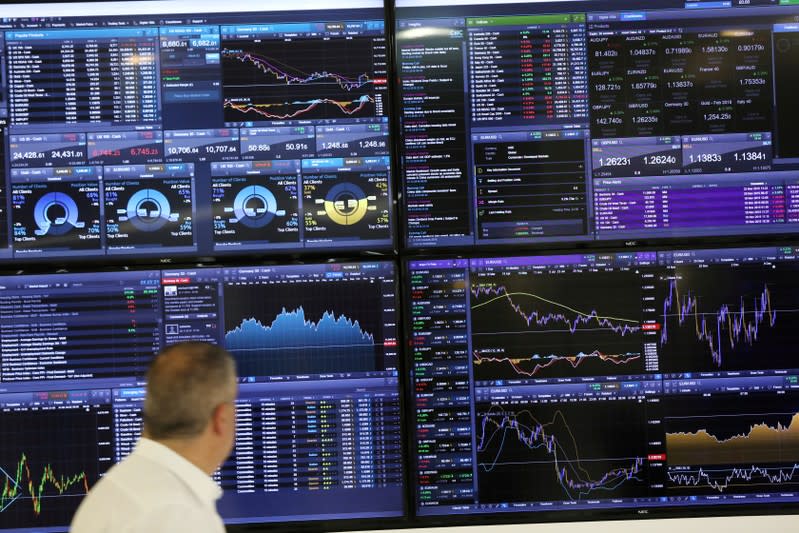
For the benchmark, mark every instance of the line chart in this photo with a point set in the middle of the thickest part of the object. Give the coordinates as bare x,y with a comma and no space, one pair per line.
764,441
299,79
721,479
724,318
293,344
305,327
294,109
49,459
538,452
621,326
536,364
737,326
551,325
22,482
732,443
280,72
327,328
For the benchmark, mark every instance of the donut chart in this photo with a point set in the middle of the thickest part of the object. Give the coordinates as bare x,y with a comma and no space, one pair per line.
56,214
346,204
148,210
255,207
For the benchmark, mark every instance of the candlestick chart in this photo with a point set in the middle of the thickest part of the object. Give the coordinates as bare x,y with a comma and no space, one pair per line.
302,79
541,452
536,326
728,319
733,444
305,328
48,463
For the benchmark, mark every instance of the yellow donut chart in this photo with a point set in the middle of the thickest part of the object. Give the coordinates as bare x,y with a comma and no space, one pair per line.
346,204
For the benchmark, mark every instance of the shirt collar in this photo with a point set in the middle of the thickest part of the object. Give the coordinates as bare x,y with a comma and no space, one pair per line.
203,487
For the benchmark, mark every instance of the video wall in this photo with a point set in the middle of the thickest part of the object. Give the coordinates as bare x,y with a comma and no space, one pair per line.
476,260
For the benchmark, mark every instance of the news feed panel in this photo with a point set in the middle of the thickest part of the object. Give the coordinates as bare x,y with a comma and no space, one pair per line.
596,121
174,128
318,411
604,384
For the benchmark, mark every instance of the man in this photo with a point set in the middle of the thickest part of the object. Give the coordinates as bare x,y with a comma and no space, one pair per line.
189,426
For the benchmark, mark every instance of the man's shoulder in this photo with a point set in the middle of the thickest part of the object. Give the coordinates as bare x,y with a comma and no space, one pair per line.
131,488
105,515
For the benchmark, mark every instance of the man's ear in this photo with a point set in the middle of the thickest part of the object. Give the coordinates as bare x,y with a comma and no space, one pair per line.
221,417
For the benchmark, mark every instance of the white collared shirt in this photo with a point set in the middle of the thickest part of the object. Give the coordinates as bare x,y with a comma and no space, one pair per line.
152,490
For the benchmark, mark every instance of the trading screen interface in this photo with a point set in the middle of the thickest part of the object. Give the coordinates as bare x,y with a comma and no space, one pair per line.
610,381
596,120
318,421
170,131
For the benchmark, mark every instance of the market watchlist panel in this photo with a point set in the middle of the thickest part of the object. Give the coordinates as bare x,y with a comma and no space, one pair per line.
159,136
318,409
521,125
630,381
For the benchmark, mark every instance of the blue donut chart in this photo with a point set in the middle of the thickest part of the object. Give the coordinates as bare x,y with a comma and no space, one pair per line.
56,214
255,206
148,210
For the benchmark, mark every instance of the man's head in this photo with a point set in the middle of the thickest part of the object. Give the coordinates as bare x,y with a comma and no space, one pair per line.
190,403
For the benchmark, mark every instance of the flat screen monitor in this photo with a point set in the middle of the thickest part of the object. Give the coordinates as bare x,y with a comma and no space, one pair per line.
605,385
596,121
318,411
150,130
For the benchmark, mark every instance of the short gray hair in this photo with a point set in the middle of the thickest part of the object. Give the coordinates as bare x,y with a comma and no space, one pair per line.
185,383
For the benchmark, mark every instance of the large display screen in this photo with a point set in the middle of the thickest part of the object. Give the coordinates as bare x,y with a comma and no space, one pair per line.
178,128
318,412
605,383
542,122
